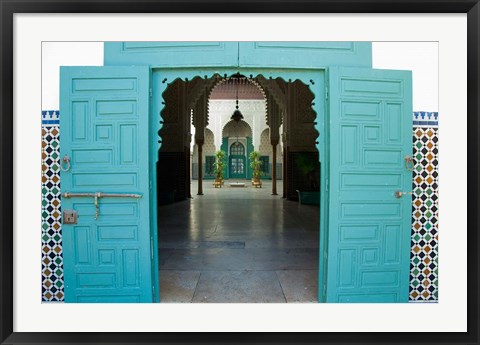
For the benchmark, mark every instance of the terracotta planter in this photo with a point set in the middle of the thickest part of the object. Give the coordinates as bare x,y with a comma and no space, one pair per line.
256,182
218,183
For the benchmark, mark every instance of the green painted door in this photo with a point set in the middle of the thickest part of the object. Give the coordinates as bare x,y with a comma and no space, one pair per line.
237,161
369,227
107,251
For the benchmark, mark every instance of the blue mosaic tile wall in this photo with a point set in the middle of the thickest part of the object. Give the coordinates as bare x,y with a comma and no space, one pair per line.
424,244
52,260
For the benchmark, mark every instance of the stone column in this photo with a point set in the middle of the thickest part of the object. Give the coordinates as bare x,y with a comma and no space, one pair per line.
274,167
274,121
285,171
199,143
200,122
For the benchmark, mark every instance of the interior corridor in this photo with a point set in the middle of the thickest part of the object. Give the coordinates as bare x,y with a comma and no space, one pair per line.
238,245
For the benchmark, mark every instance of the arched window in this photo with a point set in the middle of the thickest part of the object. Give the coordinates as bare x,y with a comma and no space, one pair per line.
237,149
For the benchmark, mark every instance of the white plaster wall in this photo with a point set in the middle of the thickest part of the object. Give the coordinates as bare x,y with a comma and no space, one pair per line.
56,54
254,113
265,147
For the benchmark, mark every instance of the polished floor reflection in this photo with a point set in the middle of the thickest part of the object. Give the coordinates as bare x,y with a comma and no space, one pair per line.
235,245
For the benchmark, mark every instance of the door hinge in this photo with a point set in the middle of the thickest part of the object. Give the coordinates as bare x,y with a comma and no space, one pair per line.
151,92
326,93
326,185
324,290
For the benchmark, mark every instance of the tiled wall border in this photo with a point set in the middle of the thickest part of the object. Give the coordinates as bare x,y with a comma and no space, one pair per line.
52,259
424,243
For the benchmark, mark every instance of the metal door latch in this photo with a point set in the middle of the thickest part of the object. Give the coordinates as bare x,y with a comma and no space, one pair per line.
398,194
98,195
70,217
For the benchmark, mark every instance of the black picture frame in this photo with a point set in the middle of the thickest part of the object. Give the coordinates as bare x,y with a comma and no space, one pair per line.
10,7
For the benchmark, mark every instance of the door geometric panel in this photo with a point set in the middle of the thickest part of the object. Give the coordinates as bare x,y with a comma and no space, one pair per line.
82,243
117,108
104,133
393,244
109,298
79,121
106,256
365,210
346,277
96,280
361,110
371,134
382,158
378,297
350,155
371,88
128,144
352,181
92,157
369,256
360,233
379,278
95,85
117,232
394,120
130,267
104,179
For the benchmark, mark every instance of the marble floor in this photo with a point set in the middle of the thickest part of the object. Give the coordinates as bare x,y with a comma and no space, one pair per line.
238,245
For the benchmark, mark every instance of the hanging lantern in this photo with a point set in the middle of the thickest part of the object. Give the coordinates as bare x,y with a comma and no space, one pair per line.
237,115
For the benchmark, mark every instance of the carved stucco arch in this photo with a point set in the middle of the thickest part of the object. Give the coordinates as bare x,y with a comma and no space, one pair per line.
233,128
164,77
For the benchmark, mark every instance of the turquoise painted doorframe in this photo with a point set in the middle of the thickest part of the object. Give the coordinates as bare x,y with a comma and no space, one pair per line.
314,78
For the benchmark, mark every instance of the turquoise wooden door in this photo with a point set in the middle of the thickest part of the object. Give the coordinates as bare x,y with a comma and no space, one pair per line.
237,161
369,227
107,253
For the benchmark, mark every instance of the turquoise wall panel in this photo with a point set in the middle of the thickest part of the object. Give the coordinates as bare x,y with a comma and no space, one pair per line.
171,54
270,54
305,54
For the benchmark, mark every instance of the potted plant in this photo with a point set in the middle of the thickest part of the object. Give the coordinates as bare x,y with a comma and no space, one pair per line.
256,164
218,168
